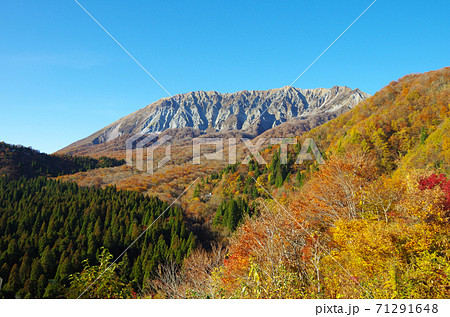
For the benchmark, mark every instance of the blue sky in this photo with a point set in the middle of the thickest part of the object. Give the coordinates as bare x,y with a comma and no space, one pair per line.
62,78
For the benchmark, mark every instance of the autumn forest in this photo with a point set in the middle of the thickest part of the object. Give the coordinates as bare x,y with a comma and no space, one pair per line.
373,221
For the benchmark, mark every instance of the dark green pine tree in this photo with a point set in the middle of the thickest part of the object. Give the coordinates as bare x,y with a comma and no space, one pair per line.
197,191
65,268
4,271
233,214
41,286
301,178
25,268
279,179
48,262
36,270
13,284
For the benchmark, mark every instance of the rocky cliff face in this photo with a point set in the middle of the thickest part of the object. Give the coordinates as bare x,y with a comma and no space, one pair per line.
249,111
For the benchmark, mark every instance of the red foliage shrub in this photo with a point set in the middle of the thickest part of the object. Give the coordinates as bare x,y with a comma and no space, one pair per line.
437,180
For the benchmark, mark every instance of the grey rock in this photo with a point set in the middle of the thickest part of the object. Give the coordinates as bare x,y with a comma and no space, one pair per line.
255,111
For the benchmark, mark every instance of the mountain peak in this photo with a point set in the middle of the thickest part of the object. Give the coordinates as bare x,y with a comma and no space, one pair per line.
255,110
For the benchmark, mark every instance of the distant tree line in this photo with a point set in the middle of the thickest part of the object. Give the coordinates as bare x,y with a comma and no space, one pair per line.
17,161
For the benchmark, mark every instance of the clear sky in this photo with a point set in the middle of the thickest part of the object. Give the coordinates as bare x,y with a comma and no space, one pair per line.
62,78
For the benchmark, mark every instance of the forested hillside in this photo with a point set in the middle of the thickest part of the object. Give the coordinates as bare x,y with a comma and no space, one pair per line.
17,161
402,127
397,122
48,228
372,222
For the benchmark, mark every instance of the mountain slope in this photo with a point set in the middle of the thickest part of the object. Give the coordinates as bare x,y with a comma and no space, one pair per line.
17,161
396,122
403,127
379,205
250,111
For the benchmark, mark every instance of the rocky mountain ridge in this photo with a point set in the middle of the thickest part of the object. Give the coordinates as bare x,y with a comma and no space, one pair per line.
253,112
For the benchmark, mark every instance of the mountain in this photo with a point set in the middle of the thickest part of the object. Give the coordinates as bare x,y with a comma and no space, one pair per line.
252,112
